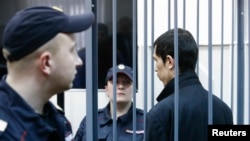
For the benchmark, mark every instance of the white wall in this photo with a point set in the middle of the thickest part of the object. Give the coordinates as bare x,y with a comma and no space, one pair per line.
161,19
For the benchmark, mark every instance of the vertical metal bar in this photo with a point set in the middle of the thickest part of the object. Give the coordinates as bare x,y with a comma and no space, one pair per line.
210,102
56,3
91,77
184,14
43,3
240,61
222,48
81,36
66,7
176,88
232,58
145,61
31,2
77,9
169,14
248,63
36,3
198,31
60,100
114,21
152,52
134,65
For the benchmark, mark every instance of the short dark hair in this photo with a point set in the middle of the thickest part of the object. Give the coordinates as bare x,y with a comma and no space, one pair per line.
187,48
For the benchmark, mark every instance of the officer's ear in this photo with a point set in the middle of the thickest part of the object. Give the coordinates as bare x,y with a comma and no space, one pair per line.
106,89
45,62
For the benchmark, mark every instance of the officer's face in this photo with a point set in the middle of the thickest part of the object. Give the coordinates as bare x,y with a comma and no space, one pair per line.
124,89
65,60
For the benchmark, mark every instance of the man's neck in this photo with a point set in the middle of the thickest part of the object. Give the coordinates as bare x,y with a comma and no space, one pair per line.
30,93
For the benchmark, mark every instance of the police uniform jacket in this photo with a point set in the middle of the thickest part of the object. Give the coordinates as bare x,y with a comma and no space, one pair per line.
19,122
124,126
193,112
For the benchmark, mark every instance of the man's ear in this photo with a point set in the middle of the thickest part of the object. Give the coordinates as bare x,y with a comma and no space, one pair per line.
170,62
45,63
106,89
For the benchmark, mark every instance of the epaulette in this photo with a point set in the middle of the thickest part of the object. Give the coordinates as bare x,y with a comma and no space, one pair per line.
3,125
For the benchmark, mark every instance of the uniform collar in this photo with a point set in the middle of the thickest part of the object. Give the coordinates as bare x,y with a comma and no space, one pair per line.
23,112
106,115
188,77
106,118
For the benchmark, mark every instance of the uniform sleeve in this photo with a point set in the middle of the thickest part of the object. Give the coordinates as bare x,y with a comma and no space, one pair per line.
154,129
4,122
81,131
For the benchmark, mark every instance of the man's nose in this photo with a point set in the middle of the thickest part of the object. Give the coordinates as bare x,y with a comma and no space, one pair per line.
78,61
120,85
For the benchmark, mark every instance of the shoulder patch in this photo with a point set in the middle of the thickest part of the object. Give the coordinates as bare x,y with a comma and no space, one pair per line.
3,125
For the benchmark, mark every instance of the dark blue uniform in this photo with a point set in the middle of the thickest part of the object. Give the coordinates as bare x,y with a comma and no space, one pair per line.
124,126
19,122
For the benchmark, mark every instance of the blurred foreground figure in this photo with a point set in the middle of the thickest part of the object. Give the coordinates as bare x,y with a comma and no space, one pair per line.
38,44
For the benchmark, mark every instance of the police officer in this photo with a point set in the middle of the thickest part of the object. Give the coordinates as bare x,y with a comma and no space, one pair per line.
38,44
124,110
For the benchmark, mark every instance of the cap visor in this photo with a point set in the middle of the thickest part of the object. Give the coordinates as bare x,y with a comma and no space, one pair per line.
118,72
79,23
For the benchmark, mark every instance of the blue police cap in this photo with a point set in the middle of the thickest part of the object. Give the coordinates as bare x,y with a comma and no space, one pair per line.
32,27
128,71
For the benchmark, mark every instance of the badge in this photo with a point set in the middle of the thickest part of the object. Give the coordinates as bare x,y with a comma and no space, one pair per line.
69,137
57,8
136,132
3,125
121,67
